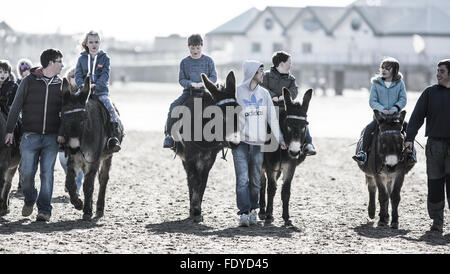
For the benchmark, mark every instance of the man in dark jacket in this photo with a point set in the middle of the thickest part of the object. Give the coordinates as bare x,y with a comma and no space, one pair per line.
39,98
433,105
275,79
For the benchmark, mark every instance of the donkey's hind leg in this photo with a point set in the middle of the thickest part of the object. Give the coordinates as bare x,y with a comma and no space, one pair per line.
271,190
88,189
4,206
103,177
372,187
262,195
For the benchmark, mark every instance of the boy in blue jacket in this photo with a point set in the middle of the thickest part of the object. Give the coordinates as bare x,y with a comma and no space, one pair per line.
96,63
191,69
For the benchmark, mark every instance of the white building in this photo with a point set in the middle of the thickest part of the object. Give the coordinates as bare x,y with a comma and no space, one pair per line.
324,41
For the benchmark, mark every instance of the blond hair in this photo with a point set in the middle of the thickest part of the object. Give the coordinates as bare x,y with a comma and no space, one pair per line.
84,43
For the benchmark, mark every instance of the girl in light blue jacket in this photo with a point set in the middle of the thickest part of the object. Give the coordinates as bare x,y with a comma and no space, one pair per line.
387,95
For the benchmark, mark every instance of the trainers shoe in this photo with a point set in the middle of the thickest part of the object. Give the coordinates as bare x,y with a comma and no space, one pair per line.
27,210
412,158
42,217
244,220
168,142
310,150
360,157
253,217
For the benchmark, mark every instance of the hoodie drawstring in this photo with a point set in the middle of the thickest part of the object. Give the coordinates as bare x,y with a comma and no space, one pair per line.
93,67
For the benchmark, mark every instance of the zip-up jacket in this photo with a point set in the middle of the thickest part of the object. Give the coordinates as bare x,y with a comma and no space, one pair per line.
7,93
384,98
274,81
40,102
98,68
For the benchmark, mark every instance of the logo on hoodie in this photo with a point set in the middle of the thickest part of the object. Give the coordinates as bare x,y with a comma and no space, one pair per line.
255,103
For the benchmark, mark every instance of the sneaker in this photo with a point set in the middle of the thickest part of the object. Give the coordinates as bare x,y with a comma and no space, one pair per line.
42,217
27,210
360,157
437,227
412,158
244,220
310,150
168,142
253,217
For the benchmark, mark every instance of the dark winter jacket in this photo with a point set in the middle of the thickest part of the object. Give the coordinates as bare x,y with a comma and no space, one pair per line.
274,81
40,102
7,93
433,104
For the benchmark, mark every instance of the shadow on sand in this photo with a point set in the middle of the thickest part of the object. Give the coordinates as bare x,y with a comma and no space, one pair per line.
187,226
26,226
378,232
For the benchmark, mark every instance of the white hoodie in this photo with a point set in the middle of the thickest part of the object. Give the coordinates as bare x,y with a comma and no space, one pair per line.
257,109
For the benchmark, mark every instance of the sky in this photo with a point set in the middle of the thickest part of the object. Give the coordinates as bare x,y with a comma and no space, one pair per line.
134,19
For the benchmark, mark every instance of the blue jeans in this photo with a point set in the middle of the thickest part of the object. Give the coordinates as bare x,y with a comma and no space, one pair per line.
36,148
107,103
79,178
248,161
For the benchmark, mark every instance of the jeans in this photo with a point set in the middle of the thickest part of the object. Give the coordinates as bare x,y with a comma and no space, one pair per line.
178,102
248,161
107,103
37,148
79,178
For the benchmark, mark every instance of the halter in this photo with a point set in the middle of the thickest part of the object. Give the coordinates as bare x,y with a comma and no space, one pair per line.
386,132
74,111
225,101
296,117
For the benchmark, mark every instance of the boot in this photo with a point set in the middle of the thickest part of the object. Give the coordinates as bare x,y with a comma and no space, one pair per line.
436,213
113,141
361,157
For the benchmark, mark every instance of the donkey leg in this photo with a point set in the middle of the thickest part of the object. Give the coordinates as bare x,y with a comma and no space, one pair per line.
103,177
6,190
372,187
194,183
271,190
262,196
383,199
71,185
288,174
88,189
3,194
395,200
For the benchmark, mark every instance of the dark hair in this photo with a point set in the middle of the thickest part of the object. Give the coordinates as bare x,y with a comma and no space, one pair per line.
280,56
445,62
195,40
49,55
390,62
5,65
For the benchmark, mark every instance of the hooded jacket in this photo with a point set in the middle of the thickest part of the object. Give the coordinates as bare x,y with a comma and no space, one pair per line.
384,98
257,109
40,102
99,74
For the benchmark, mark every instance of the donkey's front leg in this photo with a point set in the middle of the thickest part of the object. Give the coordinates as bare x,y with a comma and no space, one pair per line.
383,199
262,196
88,189
395,199
71,186
288,174
103,178
271,190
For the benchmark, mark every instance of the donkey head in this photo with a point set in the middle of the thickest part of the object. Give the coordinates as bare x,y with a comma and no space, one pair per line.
224,96
390,138
74,111
294,125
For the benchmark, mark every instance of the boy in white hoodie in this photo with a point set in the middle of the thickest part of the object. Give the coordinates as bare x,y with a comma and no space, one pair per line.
257,111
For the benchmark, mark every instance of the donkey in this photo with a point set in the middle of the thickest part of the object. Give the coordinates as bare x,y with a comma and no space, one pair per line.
9,160
386,167
85,125
293,126
198,157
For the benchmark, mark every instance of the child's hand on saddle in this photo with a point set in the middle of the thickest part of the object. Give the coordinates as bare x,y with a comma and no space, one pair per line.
283,145
61,140
275,99
281,98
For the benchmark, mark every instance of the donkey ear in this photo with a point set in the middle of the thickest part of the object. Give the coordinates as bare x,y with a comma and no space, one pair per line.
231,80
208,84
85,91
378,116
287,96
402,116
306,99
65,85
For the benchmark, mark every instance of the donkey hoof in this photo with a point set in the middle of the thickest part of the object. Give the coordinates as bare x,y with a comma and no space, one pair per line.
197,218
382,223
262,216
87,217
394,225
78,204
269,219
99,214
288,223
4,212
